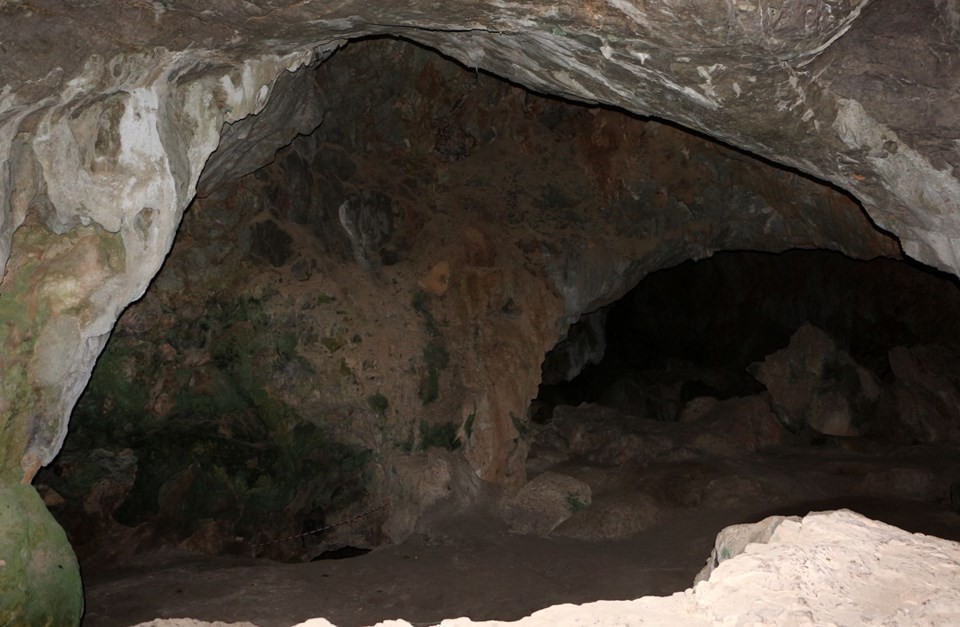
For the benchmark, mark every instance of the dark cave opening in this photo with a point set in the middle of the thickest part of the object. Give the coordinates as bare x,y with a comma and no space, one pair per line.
799,377
724,313
318,343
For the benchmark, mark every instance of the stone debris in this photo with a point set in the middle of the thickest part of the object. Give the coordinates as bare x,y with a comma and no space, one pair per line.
546,502
814,383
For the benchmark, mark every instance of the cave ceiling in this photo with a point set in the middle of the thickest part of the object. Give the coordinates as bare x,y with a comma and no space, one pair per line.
110,111
858,93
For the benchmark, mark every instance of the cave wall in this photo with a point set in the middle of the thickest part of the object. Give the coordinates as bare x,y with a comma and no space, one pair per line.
382,293
103,143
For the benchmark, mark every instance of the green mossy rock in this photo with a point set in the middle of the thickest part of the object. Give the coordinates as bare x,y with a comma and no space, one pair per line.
39,574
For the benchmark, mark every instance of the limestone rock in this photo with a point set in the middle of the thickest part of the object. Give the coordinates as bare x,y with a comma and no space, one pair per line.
607,436
39,574
735,425
613,518
115,135
812,382
585,344
545,502
733,540
924,400
424,481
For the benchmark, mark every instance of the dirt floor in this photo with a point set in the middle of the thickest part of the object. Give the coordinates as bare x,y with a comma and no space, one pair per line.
468,564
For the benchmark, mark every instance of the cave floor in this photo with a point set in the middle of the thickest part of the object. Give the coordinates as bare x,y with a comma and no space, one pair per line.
467,564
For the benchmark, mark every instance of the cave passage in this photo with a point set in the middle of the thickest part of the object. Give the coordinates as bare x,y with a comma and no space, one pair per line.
353,331
799,379
697,328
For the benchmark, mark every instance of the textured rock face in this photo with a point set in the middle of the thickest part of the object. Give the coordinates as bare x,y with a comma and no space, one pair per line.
39,574
545,502
98,175
115,133
103,146
386,287
820,85
813,383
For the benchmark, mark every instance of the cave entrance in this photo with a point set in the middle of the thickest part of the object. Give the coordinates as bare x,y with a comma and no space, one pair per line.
351,333
796,381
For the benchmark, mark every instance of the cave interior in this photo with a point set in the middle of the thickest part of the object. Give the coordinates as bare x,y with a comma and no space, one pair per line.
601,336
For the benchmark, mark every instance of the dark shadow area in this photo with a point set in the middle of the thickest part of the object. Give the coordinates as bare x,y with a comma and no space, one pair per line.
782,384
698,327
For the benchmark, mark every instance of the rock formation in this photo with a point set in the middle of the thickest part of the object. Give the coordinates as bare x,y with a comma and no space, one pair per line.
813,383
114,116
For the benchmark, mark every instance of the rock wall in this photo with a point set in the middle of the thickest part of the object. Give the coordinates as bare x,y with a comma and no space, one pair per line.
94,193
115,131
385,290
109,111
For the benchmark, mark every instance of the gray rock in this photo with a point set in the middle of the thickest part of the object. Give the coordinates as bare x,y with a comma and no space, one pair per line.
585,343
811,382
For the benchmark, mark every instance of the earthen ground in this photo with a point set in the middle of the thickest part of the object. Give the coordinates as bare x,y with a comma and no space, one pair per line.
467,564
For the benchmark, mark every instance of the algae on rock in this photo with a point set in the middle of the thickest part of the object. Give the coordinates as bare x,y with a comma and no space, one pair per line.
40,576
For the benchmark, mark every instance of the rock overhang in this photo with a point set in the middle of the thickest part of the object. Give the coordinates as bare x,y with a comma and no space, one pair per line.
115,132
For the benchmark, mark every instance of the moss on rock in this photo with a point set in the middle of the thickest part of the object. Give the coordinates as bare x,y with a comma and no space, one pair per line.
39,573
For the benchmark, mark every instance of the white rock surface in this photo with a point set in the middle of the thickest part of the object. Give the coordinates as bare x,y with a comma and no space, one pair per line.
833,568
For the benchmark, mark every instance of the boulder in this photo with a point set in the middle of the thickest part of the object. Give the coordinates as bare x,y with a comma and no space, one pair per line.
613,518
814,383
605,435
733,540
545,502
732,426
923,404
39,573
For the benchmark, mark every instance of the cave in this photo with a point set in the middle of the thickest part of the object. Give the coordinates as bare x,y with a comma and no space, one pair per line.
304,356
713,381
344,315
